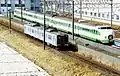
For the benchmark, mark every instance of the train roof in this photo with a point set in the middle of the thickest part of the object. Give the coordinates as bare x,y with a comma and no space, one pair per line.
81,22
104,27
61,17
52,31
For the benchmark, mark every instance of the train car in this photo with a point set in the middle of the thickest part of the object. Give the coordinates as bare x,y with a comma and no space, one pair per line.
51,37
103,34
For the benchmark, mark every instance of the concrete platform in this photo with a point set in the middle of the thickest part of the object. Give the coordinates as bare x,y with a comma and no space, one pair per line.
14,64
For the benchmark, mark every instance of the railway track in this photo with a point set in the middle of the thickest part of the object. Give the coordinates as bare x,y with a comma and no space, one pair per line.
84,41
109,50
93,64
89,62
86,60
105,70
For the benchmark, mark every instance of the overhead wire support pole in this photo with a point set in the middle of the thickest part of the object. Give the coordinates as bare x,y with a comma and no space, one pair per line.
51,7
73,18
63,6
80,9
0,7
111,11
21,11
10,21
6,3
44,24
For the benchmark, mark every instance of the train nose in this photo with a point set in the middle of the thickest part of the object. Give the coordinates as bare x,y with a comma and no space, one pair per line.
110,37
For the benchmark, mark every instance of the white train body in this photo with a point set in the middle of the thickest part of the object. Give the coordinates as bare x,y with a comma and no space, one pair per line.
53,38
103,34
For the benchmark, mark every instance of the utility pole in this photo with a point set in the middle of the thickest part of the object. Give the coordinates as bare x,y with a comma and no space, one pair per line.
111,11
10,21
0,7
34,5
6,3
21,11
80,9
73,18
55,5
44,23
51,7
63,7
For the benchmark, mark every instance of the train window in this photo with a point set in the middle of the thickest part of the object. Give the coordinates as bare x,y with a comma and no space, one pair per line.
75,27
103,15
35,31
85,29
42,34
38,33
112,17
117,17
104,28
17,12
108,28
107,15
95,14
78,27
76,11
35,16
82,12
91,13
29,15
24,13
97,32
86,13
94,31
69,25
91,31
47,19
28,29
32,31
81,28
49,37
98,14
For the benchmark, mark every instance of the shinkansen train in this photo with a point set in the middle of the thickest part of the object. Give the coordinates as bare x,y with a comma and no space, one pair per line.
101,33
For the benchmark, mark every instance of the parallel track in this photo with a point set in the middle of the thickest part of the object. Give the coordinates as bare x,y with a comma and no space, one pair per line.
93,64
88,61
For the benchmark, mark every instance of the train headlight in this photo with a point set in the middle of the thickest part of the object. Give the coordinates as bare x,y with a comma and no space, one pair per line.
110,37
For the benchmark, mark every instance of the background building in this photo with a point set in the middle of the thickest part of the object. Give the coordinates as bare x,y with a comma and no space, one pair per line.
100,9
92,9
5,5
